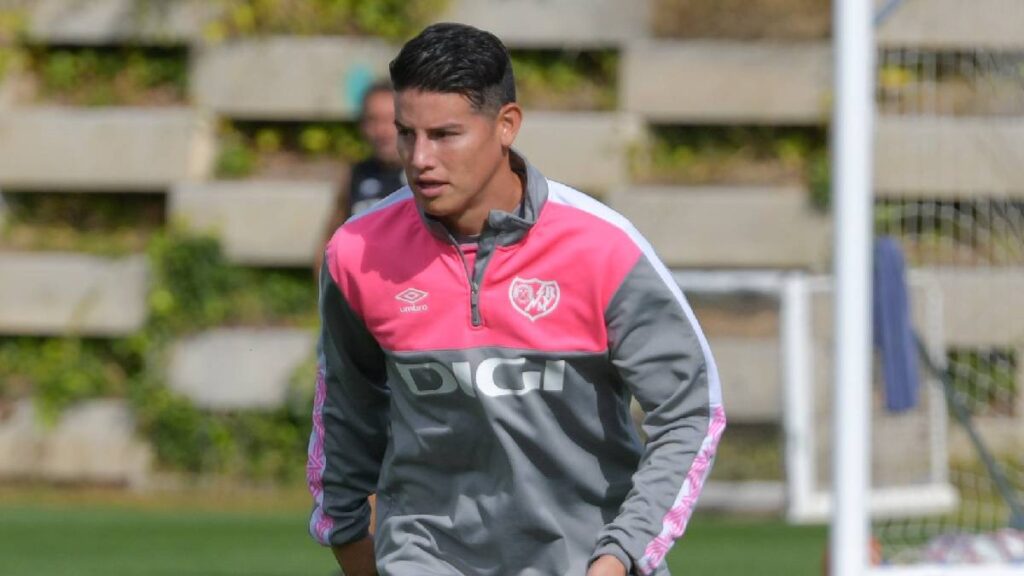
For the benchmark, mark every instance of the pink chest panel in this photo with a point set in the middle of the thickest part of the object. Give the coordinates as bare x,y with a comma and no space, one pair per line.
546,293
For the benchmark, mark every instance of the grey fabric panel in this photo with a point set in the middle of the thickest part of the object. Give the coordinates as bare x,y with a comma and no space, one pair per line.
355,413
502,461
657,353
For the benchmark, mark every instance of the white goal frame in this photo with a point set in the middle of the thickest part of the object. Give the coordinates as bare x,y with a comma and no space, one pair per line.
806,500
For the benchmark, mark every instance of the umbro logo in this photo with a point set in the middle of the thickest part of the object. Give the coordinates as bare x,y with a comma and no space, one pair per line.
411,297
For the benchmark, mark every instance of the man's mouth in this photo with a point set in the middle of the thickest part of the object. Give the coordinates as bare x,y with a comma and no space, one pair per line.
429,187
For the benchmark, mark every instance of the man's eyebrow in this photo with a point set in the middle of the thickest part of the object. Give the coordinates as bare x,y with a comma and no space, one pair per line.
441,128
445,127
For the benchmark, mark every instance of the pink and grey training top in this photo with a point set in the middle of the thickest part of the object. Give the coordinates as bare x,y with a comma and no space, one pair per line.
482,391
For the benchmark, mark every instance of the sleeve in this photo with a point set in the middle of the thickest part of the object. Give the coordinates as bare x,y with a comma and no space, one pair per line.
350,416
661,354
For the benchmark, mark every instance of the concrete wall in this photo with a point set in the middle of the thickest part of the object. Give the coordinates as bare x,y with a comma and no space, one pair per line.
62,293
94,441
111,21
261,78
586,150
260,223
732,227
560,24
964,156
109,149
982,308
243,368
955,24
727,82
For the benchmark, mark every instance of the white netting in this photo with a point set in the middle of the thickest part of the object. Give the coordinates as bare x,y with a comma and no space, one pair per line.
954,197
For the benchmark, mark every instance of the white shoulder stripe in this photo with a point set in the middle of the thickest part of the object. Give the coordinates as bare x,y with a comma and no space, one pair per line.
562,194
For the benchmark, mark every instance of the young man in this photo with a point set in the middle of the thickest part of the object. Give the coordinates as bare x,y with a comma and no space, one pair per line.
483,331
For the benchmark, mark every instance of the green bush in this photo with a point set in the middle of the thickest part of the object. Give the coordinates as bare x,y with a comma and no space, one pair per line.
247,148
251,445
736,155
552,79
983,232
59,372
391,19
12,29
196,288
750,452
111,76
986,380
107,224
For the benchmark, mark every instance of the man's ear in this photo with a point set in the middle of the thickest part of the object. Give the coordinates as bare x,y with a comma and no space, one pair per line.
510,118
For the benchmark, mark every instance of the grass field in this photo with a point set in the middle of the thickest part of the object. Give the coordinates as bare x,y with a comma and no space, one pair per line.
265,536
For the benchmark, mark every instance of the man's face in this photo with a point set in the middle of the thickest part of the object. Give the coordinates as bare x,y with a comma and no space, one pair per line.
450,151
378,126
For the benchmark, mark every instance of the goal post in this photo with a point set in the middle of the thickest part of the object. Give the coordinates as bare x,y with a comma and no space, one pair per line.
852,186
934,157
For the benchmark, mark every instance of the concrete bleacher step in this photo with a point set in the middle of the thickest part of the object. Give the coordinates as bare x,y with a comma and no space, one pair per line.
559,25
954,24
289,78
729,227
949,157
110,149
982,308
727,82
239,368
118,21
519,23
750,373
586,150
92,442
44,293
260,223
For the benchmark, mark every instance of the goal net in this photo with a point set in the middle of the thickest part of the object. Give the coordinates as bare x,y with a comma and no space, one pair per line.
949,186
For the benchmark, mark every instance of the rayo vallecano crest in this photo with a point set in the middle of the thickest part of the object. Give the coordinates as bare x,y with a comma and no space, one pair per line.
533,298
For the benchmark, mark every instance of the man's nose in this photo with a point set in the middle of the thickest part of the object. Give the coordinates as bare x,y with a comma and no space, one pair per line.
422,157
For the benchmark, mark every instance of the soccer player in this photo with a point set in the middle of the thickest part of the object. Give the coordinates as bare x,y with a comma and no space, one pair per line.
483,331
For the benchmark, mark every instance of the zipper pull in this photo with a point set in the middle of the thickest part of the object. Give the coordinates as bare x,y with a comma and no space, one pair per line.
474,303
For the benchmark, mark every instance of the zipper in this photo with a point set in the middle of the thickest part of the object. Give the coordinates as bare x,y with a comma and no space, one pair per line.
474,285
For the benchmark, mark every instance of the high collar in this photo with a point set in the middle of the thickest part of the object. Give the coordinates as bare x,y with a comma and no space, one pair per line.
508,228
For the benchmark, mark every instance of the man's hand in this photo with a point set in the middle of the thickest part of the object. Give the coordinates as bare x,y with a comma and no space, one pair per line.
607,566
356,558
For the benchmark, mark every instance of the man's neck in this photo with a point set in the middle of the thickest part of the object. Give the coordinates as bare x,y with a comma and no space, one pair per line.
504,192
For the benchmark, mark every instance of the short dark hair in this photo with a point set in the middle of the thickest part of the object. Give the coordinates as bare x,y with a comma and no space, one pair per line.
460,59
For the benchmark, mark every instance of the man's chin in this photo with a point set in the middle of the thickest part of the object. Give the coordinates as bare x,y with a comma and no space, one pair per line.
437,206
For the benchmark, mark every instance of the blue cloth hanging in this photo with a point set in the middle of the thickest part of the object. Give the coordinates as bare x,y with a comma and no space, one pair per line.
893,331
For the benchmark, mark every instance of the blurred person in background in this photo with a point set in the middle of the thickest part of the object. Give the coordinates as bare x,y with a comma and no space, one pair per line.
482,333
381,174
372,179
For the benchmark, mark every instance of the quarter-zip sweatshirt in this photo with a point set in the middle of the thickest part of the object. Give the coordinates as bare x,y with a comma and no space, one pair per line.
483,392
